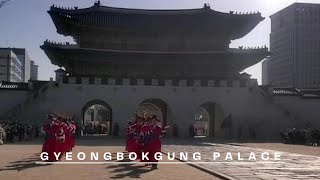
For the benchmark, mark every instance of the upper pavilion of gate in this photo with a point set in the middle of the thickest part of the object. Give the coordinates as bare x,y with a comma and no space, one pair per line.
121,39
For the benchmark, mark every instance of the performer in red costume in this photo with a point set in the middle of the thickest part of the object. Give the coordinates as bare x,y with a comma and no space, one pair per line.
59,136
145,136
153,146
67,136
132,143
73,134
50,128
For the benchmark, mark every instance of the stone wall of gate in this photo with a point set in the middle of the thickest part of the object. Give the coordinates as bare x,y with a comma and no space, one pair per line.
253,114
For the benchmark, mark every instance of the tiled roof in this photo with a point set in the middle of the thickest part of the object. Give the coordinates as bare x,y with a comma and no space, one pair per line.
13,85
286,91
203,19
311,93
296,92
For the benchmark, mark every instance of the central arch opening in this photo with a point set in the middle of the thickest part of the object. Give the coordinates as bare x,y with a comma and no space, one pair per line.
209,121
201,123
154,106
97,118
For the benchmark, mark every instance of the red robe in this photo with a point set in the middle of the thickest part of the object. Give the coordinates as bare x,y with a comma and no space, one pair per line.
144,139
50,143
132,141
73,132
60,139
154,145
68,136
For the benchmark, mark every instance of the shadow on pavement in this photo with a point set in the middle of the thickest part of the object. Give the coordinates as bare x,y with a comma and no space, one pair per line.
23,164
124,171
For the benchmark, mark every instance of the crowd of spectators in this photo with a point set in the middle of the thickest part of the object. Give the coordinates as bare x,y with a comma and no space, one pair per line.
301,136
90,129
14,131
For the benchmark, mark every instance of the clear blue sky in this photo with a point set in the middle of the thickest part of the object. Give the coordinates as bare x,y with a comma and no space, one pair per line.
26,23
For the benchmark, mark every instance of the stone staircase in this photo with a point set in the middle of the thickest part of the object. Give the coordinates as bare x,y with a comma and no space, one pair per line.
37,89
269,97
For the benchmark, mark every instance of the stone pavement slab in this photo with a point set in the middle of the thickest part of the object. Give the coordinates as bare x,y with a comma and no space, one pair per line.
291,166
17,162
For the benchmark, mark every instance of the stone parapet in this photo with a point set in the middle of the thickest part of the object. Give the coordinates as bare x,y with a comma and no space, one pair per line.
162,82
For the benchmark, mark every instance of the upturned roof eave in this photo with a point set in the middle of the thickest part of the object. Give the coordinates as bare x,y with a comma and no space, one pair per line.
252,20
62,46
59,55
203,10
63,30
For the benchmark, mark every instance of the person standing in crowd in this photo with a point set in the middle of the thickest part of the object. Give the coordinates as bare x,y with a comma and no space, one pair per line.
1,135
10,133
20,132
37,132
14,130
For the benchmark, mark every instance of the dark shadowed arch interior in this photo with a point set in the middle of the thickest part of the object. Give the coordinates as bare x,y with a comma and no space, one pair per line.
210,108
205,120
97,117
156,106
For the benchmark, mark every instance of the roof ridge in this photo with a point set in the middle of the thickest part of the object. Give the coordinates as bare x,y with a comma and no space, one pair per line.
204,9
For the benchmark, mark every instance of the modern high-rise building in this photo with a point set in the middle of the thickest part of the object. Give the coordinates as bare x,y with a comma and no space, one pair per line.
11,68
295,47
33,71
265,71
22,57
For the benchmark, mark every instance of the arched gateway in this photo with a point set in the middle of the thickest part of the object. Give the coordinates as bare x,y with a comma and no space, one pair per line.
97,118
125,55
154,106
210,120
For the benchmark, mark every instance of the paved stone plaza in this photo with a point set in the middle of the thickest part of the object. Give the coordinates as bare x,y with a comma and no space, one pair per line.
291,166
18,162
